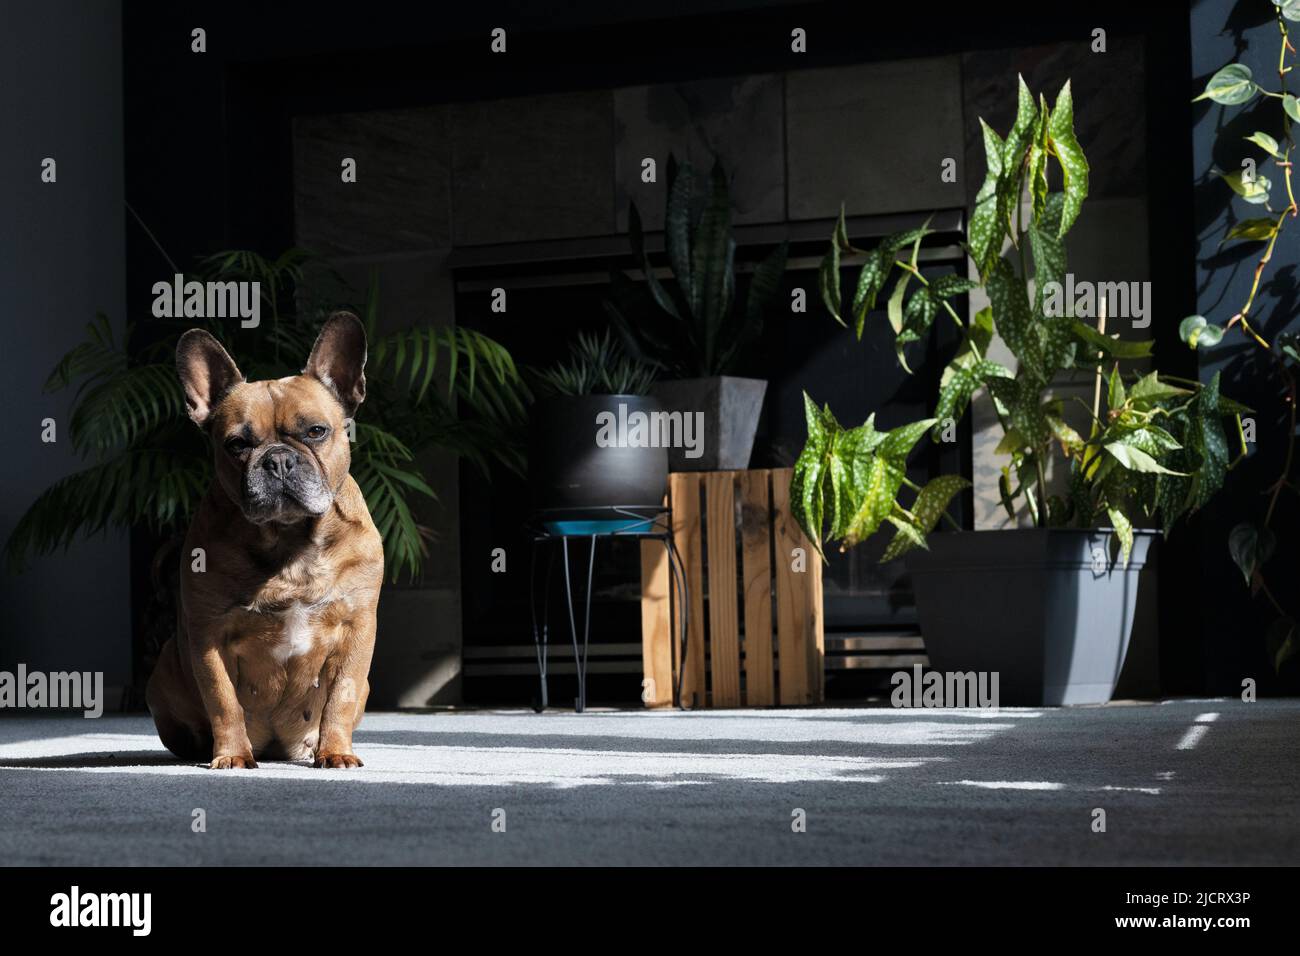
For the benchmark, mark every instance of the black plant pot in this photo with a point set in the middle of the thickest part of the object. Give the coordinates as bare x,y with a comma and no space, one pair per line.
1046,609
573,478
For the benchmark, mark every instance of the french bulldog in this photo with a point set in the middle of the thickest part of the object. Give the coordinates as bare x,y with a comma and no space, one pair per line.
281,569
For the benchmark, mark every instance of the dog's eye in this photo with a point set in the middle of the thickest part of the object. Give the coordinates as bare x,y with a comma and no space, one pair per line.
317,432
237,445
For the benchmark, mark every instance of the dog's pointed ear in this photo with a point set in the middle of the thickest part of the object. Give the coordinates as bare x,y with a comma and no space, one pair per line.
338,360
206,371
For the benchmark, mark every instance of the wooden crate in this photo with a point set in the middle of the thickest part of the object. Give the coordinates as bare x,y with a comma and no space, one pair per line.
725,522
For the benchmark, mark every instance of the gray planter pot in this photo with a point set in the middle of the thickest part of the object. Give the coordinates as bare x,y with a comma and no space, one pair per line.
1039,608
729,407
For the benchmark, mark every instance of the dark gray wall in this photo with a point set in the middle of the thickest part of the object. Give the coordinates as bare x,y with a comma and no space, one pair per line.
61,260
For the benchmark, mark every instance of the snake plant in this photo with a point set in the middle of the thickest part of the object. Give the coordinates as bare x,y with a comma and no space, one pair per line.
693,326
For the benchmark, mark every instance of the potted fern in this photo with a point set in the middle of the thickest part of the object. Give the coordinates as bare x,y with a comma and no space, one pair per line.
596,438
146,466
694,330
1051,607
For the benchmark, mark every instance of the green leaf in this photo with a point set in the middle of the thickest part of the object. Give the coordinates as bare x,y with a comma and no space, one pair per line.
895,307
1250,548
955,392
871,279
849,461
1280,639
1014,151
1149,388
1038,154
1013,318
828,283
1123,530
945,287
1005,495
1206,438
1258,230
987,228
1115,392
1290,9
1135,459
908,237
95,357
1021,133
1265,142
1253,189
1112,346
1198,333
1011,442
677,225
854,474
763,285
1288,343
907,537
974,344
881,480
1291,107
1048,251
917,319
637,239
1074,165
712,251
1021,396
922,308
807,495
155,488
898,442
1071,441
840,237
933,499
993,147
122,408
829,273
1231,86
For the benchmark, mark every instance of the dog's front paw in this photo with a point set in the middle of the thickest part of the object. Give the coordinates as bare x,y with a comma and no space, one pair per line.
337,761
233,763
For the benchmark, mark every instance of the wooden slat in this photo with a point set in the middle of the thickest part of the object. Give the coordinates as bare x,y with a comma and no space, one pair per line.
724,621
656,626
756,565
791,592
816,633
684,490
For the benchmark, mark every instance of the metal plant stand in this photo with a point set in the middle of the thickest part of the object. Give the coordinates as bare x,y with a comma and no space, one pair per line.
608,522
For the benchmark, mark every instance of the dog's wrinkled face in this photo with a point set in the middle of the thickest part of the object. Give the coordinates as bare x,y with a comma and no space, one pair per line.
281,446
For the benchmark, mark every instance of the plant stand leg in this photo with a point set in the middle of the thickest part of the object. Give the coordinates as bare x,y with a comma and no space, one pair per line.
678,572
580,657
541,636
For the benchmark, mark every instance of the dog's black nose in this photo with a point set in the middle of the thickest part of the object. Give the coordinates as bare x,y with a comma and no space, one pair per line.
280,461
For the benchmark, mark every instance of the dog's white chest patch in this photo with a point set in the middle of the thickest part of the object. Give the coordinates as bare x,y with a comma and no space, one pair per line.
296,635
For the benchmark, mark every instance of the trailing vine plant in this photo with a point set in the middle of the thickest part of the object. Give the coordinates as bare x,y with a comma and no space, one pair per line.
1252,543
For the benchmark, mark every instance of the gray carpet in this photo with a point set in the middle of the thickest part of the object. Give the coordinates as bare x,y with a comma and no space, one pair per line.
877,786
